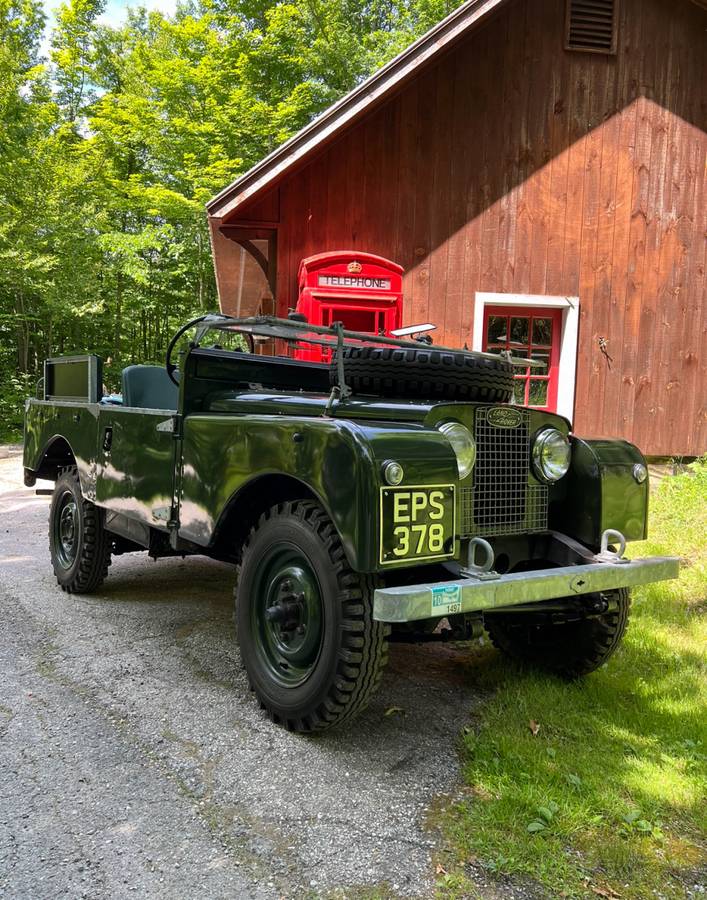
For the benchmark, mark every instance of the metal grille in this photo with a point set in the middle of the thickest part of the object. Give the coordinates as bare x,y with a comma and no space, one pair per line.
502,501
591,25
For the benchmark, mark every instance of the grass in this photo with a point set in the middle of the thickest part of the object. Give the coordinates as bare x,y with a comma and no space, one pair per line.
609,797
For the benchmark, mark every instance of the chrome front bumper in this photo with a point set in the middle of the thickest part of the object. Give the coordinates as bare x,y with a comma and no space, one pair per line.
475,593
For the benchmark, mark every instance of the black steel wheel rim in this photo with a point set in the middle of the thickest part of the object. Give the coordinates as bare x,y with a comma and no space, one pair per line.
287,615
66,530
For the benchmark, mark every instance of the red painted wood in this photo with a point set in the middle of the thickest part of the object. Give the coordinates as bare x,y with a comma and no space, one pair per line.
513,165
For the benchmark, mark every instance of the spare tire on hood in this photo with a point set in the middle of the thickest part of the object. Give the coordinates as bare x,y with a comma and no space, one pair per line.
425,373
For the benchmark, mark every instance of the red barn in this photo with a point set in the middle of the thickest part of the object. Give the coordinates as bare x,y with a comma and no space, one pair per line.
538,168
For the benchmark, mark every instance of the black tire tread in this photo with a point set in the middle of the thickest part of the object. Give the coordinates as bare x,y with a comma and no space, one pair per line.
95,550
549,646
363,652
426,372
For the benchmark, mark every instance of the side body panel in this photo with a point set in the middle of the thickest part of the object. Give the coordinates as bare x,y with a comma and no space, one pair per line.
136,459
339,461
130,473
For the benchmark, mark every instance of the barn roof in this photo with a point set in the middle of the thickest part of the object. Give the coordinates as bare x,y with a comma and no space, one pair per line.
338,116
366,95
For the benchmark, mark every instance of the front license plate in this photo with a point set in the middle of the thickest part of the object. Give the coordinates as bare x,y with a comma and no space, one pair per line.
417,522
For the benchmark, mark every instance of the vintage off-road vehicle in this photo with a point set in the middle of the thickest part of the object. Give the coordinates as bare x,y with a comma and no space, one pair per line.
363,499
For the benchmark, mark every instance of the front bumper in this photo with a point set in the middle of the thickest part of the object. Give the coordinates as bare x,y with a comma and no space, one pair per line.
476,593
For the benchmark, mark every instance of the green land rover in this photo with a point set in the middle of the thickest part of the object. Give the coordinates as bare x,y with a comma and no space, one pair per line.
392,492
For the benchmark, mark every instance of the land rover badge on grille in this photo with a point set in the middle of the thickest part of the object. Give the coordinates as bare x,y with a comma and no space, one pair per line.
503,417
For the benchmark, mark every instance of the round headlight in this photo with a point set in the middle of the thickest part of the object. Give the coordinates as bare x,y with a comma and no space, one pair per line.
551,455
463,445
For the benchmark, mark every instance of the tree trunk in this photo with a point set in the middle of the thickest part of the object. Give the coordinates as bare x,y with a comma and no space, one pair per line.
118,314
22,334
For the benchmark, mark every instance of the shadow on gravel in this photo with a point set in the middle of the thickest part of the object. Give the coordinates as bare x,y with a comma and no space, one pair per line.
134,709
204,586
154,656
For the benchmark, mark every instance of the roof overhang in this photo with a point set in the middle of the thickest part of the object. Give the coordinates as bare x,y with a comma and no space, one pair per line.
336,118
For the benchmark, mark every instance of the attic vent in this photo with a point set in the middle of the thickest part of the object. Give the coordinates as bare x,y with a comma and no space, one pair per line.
591,25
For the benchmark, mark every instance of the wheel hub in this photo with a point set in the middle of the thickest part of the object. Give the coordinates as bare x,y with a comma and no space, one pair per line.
66,531
288,610
290,621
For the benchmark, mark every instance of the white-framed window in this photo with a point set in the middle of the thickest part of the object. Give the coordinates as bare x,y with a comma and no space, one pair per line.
538,326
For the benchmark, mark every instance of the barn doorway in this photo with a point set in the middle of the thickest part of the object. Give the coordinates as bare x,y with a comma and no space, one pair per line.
533,327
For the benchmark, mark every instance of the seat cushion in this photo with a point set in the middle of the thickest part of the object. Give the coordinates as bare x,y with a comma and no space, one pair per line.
149,387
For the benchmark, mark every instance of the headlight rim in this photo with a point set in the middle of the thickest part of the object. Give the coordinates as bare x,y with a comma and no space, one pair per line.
449,425
539,443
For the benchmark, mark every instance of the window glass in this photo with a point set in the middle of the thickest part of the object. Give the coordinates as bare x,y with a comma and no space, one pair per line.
519,330
537,395
520,389
542,331
497,329
542,356
521,353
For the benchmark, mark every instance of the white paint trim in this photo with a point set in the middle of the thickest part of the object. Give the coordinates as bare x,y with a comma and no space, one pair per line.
568,345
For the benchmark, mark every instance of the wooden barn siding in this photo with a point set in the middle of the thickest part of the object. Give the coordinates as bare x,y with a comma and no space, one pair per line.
515,166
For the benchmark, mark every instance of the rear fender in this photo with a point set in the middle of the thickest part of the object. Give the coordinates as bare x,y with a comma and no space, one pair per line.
59,434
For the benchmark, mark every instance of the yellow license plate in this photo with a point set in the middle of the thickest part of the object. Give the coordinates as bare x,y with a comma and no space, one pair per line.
417,522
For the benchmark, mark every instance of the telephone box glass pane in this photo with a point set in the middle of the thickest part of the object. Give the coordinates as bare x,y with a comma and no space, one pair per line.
355,319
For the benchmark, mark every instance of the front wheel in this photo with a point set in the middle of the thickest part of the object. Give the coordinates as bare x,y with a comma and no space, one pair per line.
568,648
313,653
78,543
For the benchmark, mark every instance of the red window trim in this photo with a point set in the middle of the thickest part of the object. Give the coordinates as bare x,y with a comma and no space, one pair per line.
534,312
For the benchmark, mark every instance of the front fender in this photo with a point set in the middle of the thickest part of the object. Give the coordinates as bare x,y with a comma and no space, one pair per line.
600,491
339,461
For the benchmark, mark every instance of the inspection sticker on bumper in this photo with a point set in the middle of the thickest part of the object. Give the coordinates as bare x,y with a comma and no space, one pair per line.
446,599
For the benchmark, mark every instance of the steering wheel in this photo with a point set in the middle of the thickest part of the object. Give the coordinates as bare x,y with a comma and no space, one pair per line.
168,364
172,367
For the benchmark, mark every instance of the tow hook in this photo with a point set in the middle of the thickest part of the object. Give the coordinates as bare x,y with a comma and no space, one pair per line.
612,556
484,570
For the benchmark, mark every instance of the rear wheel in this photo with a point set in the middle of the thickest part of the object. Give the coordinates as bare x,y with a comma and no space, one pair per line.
78,543
568,648
312,651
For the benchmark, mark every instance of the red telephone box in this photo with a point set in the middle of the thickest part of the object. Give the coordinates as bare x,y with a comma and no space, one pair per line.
362,290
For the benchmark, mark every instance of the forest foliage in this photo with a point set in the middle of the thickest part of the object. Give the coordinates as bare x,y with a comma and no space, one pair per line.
112,139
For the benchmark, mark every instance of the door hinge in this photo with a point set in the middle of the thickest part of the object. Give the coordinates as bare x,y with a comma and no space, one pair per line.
168,426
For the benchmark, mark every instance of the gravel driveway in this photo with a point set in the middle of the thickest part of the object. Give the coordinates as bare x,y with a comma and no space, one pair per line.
134,761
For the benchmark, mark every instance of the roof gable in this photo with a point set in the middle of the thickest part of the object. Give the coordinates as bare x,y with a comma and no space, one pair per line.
334,120
382,84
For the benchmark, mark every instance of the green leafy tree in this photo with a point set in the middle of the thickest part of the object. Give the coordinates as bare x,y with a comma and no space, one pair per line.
111,147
